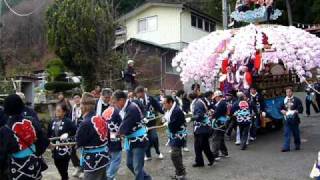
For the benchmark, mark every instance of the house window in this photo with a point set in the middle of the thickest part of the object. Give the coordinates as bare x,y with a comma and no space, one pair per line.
202,23
193,20
148,24
212,27
206,26
169,68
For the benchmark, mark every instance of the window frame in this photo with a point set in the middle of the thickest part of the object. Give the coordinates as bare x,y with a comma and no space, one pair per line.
147,28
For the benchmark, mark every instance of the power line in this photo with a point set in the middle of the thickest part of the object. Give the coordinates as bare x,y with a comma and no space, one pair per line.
23,14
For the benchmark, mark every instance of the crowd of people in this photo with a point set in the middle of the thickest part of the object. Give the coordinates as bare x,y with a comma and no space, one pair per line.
100,127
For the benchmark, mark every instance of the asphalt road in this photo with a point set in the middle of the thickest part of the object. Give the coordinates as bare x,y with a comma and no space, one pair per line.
262,160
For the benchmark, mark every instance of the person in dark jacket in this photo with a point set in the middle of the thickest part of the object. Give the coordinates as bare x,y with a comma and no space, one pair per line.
202,131
150,107
61,127
130,76
23,141
135,134
177,132
290,109
257,105
220,121
231,124
309,101
317,87
92,139
113,118
3,157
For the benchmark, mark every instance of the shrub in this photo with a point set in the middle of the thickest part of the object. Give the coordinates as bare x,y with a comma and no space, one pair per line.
58,86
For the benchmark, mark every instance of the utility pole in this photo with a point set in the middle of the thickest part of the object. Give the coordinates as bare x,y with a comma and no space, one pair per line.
289,12
225,13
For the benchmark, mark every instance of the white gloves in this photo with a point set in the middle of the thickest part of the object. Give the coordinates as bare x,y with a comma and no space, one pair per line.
188,119
264,114
64,137
145,120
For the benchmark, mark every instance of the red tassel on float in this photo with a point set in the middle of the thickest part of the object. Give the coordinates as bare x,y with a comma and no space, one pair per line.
224,65
258,61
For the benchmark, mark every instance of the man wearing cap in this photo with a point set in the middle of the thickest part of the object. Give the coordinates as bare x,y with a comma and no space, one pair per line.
129,76
104,101
219,125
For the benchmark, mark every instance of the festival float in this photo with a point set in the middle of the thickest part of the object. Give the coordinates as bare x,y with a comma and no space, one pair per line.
269,57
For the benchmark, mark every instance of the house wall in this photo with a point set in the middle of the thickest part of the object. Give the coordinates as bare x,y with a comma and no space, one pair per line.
168,30
189,33
150,64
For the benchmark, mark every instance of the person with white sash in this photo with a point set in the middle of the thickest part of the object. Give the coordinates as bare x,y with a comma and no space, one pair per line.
177,133
104,101
135,134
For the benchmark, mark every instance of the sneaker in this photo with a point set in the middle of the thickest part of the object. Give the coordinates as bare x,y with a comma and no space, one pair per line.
147,158
176,177
238,143
160,156
217,158
285,150
252,138
185,149
224,156
76,172
197,165
81,176
210,163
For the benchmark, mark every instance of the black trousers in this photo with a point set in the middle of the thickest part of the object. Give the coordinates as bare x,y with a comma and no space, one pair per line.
244,134
219,144
231,125
153,142
176,157
308,104
201,144
253,129
62,166
74,158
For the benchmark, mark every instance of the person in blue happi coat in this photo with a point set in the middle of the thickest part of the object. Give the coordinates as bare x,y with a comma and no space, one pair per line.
177,133
92,139
257,105
3,157
134,132
113,118
290,108
63,128
219,125
202,130
23,142
150,107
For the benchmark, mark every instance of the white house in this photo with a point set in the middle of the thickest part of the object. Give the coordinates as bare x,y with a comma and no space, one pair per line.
172,25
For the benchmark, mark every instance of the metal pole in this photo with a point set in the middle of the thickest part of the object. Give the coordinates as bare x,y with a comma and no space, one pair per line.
225,13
